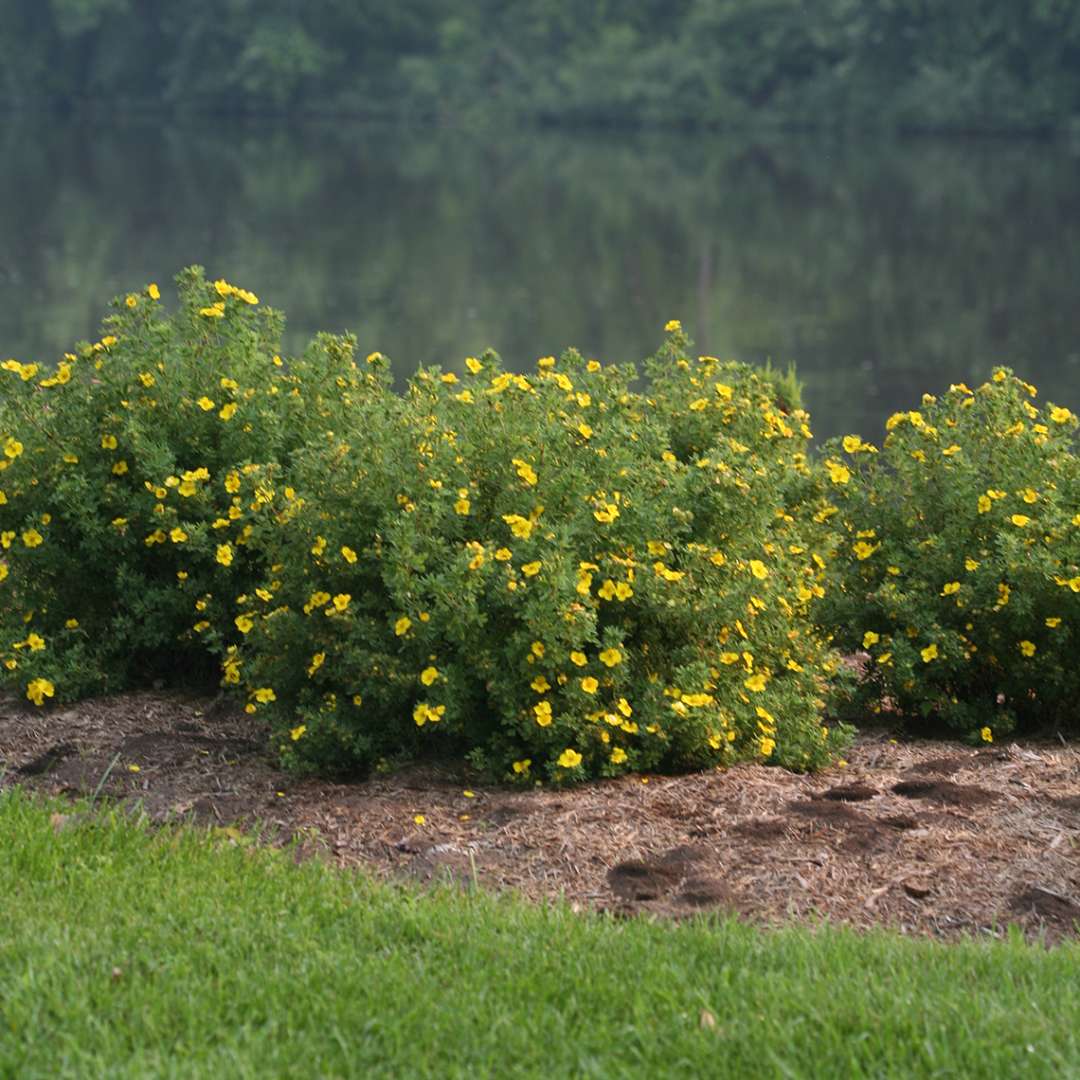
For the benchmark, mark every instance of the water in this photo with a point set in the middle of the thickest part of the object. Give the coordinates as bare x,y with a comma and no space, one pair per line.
880,269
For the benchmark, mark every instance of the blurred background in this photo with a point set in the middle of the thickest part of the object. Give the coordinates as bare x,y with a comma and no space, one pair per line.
885,194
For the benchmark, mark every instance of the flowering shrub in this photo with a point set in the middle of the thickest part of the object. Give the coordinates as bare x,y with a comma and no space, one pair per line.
130,475
959,574
562,575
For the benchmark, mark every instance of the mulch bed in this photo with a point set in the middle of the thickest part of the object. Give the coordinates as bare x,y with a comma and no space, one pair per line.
928,838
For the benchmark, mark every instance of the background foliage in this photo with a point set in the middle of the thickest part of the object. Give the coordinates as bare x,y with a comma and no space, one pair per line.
969,64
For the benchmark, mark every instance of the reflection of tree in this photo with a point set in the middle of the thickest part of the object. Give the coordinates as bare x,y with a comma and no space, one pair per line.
879,269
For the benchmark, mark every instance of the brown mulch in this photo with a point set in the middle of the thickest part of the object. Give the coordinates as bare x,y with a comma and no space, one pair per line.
928,838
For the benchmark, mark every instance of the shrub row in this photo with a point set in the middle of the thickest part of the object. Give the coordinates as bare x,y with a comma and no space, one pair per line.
560,573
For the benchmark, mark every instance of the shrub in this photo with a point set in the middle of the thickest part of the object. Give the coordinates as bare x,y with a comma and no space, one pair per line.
131,474
960,570
560,574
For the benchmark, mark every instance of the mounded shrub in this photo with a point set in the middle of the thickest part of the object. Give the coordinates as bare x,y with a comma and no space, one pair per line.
959,573
130,474
563,575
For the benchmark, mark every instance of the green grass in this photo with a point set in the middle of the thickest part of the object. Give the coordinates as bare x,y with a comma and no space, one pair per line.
234,962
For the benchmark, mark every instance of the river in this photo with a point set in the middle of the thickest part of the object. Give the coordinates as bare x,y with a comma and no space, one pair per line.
880,269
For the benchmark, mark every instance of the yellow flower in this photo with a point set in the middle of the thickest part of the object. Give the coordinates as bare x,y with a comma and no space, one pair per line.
419,819
838,473
1053,622
569,759
589,684
540,684
986,734
585,431
317,662
429,675
341,601
522,767
297,733
1020,520
521,527
537,649
929,653
757,568
766,745
37,690
205,403
153,291
1060,415
950,587
607,513
984,504
232,482
623,591
1029,495
243,623
971,564
177,535
695,701
265,694
756,682
672,326
525,472
72,624
863,550
108,442
618,756
1027,648
228,411
474,365
503,554
699,405
542,709
348,554
578,658
870,638
32,538
401,627
610,657
531,569
462,506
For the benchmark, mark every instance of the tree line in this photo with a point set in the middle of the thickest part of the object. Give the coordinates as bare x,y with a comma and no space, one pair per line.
895,64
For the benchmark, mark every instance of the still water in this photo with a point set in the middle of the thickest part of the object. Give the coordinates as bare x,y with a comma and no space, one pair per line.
879,269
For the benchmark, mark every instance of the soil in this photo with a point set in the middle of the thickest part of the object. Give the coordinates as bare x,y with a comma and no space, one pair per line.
885,841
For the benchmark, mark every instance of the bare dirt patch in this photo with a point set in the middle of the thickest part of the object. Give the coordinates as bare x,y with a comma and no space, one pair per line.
946,792
888,840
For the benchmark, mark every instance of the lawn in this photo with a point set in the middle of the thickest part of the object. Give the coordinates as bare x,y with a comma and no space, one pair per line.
132,951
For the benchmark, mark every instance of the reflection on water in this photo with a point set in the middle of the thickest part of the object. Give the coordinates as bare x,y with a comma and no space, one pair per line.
880,269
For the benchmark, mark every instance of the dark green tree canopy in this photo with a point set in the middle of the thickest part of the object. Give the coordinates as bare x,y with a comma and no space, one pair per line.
967,64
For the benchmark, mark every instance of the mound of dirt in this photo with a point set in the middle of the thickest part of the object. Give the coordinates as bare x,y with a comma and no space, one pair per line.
998,844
